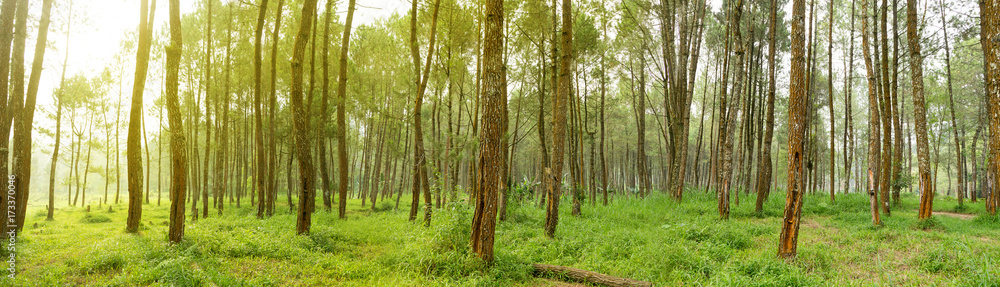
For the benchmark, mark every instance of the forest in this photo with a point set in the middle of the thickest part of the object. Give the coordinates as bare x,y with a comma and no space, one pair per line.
500,142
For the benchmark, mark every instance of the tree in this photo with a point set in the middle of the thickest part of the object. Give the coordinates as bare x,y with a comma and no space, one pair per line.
272,154
262,167
6,113
764,172
959,143
989,15
300,124
341,112
559,121
919,112
829,85
325,108
419,159
797,110
178,146
492,140
729,124
873,120
22,130
132,149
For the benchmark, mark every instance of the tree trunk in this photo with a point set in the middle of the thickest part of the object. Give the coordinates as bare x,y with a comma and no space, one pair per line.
178,162
796,118
764,172
919,111
21,162
493,142
873,119
559,121
132,152
325,109
989,14
588,276
272,157
259,151
959,143
300,123
419,159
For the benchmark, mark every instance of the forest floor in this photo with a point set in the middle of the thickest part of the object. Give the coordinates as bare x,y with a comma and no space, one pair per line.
653,239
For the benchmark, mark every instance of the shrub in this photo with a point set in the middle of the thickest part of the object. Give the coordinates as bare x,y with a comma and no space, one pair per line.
91,218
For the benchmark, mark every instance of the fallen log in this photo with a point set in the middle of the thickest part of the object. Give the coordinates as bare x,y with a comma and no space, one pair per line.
587,276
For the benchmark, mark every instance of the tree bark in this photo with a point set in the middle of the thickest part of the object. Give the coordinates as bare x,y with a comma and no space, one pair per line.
989,14
178,162
959,142
559,121
587,276
788,241
873,119
493,141
261,155
132,149
300,123
764,172
919,112
22,130
419,158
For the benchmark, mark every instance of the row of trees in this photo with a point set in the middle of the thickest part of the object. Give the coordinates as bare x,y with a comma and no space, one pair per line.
235,128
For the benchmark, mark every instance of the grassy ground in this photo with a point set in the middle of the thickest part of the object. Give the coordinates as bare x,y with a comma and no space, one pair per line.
653,239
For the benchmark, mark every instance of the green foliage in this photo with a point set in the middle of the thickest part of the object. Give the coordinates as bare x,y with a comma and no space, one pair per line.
653,239
92,218
929,223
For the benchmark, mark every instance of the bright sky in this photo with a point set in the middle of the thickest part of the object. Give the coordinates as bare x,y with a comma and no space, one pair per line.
101,25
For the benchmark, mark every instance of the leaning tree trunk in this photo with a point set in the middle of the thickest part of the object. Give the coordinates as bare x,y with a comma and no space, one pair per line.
178,153
133,154
22,130
419,158
796,118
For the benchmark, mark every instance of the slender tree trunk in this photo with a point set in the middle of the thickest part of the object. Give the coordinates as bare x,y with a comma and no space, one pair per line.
959,143
989,14
420,160
829,85
132,152
873,119
272,157
21,162
178,158
300,121
919,111
261,154
325,109
848,113
764,172
559,121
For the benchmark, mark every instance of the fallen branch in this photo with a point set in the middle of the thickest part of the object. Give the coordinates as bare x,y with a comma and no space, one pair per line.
587,276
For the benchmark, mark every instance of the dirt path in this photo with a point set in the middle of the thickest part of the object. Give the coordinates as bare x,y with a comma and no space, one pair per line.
955,215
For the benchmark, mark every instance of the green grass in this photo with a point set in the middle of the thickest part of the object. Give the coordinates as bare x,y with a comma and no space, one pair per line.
653,239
